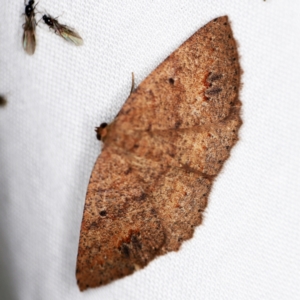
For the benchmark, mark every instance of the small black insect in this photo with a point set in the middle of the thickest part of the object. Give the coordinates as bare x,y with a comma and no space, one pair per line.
3,101
29,41
68,33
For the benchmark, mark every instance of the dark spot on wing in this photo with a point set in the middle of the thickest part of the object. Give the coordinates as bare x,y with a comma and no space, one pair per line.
177,124
125,250
213,77
103,213
213,91
171,81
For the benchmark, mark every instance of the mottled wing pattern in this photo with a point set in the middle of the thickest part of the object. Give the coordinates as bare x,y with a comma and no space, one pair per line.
150,184
128,225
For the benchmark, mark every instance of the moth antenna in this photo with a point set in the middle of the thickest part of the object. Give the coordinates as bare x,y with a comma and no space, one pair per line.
132,83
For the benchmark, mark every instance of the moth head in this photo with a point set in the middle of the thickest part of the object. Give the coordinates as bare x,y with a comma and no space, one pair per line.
101,131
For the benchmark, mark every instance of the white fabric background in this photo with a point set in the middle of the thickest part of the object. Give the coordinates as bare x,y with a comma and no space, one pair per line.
249,244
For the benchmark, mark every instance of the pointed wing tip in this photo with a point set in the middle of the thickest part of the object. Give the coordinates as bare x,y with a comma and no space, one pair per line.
29,51
76,40
71,37
29,43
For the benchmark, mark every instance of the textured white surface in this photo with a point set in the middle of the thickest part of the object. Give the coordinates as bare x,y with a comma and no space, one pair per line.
249,244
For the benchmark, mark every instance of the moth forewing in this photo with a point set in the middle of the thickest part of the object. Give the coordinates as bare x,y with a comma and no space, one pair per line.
150,184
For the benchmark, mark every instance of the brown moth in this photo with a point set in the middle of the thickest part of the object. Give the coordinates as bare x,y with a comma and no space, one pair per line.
150,184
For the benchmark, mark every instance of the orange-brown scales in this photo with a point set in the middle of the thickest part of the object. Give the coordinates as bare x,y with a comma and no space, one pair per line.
150,184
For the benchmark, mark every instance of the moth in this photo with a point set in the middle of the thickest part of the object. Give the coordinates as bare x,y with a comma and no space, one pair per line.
29,39
66,32
160,156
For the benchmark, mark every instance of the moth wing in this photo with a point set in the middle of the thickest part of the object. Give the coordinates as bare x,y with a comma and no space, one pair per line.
186,116
197,84
118,225
150,184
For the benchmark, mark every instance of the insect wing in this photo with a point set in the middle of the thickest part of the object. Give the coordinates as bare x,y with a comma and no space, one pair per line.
73,37
29,41
151,182
67,33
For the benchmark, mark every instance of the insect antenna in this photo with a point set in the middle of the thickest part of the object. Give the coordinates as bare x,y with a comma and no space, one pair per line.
132,83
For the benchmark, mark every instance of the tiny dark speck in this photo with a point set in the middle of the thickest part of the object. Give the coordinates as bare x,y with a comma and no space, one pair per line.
141,197
135,242
103,213
177,124
171,80
153,211
93,225
128,171
125,250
